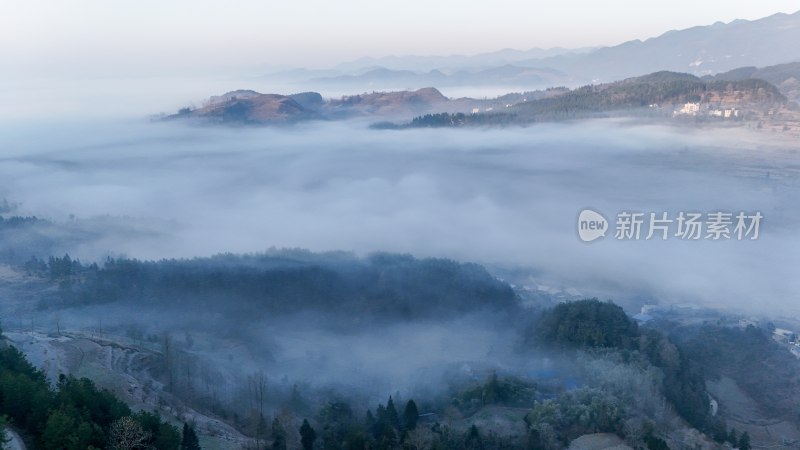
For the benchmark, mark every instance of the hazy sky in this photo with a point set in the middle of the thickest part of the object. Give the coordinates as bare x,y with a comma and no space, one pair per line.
157,37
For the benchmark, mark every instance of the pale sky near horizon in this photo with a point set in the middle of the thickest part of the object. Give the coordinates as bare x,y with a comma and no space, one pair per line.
166,37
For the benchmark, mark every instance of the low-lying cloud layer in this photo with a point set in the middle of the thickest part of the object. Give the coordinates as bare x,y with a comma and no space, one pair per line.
506,197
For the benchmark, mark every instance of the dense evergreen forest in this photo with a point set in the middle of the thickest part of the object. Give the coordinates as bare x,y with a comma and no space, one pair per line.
439,120
379,286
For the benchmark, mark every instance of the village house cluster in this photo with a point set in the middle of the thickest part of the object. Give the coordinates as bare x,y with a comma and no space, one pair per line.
698,109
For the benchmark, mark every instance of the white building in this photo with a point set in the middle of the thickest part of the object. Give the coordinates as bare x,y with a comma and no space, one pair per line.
690,109
728,113
784,335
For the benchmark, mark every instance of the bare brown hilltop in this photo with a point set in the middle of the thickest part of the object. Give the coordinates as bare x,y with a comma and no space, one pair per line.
257,108
251,107
397,103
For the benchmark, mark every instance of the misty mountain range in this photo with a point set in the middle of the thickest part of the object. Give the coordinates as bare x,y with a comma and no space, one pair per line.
506,56
507,67
701,50
506,75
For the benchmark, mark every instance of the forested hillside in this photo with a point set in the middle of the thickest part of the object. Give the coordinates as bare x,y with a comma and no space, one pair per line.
75,415
652,95
381,286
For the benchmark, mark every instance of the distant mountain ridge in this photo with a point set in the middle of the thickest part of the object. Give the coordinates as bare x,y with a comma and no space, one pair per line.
700,50
424,63
506,75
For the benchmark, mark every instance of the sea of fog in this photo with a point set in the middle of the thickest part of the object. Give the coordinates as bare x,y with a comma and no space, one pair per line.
507,198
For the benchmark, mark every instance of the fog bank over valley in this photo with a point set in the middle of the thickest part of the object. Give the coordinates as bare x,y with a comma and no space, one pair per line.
507,198
226,275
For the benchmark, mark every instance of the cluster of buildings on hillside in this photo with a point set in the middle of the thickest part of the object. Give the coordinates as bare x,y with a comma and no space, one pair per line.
698,109
788,338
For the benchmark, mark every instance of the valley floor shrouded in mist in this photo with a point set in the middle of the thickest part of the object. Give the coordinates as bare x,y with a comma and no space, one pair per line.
505,198
229,277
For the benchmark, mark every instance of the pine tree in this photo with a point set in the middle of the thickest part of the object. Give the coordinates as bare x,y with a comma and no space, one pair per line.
278,435
732,438
381,421
190,441
410,415
307,435
473,440
744,441
371,424
4,439
392,417
296,402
